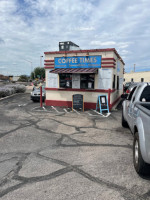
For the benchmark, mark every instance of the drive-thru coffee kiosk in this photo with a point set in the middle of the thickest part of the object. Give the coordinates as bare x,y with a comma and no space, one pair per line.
87,72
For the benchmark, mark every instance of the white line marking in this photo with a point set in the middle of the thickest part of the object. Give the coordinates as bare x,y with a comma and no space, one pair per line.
8,96
92,115
44,108
55,109
76,111
98,112
102,114
107,115
43,111
34,108
20,105
65,110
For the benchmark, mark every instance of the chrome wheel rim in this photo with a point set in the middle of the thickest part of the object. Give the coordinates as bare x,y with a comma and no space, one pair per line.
136,152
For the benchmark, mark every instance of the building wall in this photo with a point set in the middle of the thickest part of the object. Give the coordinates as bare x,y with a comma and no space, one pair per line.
15,78
137,76
67,95
56,96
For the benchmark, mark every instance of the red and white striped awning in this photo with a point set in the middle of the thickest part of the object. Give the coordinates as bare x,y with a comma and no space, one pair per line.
75,71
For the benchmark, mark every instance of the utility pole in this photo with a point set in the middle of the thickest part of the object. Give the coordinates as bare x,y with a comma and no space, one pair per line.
41,61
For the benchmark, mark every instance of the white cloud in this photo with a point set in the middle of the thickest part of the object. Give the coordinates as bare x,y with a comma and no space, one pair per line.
84,29
99,43
30,27
124,52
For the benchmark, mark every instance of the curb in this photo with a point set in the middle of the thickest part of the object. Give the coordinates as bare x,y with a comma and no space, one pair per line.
9,96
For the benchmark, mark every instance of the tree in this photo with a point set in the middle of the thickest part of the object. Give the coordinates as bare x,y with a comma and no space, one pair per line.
39,72
23,78
32,75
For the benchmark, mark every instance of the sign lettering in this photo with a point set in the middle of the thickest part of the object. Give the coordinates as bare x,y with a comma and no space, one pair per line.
78,62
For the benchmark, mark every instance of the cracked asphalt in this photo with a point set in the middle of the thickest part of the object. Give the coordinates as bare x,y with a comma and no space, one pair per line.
52,155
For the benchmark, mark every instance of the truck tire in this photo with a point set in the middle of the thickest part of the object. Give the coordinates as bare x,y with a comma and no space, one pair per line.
141,167
124,122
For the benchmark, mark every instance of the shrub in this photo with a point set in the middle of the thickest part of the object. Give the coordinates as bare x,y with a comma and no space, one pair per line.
11,89
18,88
2,92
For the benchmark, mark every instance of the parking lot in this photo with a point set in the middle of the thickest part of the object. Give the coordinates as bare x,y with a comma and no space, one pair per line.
59,154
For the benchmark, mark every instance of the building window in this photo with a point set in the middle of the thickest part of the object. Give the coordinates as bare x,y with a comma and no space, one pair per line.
117,82
65,80
87,81
114,80
132,79
142,79
145,96
62,46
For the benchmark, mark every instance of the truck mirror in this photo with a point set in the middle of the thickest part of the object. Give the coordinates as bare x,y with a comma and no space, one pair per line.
124,96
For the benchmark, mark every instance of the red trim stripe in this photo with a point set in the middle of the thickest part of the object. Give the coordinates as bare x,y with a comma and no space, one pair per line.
80,90
109,66
108,63
49,67
109,59
48,60
49,64
87,105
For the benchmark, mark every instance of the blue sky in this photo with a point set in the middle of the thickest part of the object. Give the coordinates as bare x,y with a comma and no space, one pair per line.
28,28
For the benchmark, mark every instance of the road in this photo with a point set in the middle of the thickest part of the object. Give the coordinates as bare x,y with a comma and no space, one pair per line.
55,154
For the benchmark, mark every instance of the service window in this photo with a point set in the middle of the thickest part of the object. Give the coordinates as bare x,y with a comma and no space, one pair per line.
117,82
65,80
114,80
135,93
131,93
145,96
87,81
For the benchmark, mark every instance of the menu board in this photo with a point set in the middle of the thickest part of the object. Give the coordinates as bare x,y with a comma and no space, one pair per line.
104,78
103,102
76,81
52,80
77,101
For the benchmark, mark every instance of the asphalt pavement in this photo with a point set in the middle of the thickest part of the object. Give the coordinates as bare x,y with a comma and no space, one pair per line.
52,153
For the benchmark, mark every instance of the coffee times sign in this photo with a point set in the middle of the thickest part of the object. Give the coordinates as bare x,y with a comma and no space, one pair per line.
78,62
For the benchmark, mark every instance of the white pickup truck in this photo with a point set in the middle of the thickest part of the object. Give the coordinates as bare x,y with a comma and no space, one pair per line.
136,115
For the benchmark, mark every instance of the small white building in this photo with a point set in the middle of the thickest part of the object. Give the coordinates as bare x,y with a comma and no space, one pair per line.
88,72
137,77
15,78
